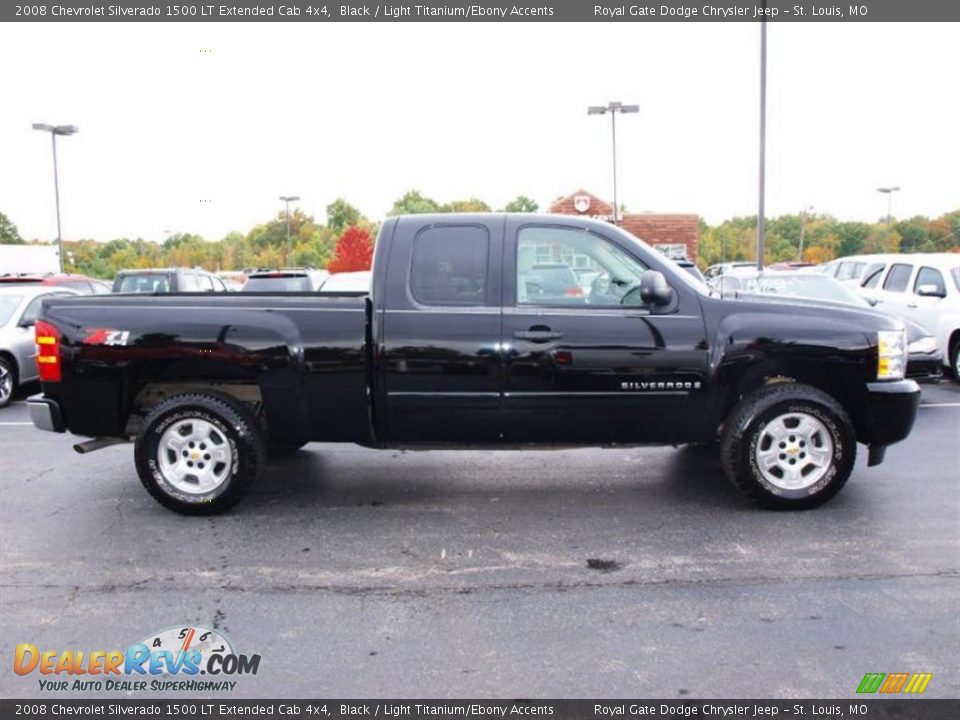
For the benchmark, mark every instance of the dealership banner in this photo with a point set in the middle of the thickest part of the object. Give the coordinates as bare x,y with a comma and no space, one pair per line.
528,11
913,709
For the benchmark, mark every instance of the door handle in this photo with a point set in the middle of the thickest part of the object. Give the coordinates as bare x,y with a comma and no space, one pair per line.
537,334
911,305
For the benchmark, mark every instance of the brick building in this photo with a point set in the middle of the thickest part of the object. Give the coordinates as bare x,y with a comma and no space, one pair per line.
673,235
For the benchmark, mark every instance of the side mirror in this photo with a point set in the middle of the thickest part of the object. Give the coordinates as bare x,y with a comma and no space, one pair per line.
654,289
873,302
931,291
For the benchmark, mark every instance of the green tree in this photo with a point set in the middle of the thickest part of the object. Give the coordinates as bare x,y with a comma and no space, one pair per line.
521,204
341,215
469,205
414,203
8,232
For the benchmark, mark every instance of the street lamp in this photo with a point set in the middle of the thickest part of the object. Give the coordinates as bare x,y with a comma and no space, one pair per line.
55,130
803,225
889,191
613,108
287,199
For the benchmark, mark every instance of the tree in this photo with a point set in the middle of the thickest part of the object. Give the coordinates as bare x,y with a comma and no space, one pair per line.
341,215
8,232
353,252
470,205
414,203
521,204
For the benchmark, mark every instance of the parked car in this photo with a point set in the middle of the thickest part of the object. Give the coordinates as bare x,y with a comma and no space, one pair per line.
850,269
161,281
790,265
924,288
715,271
273,280
549,282
81,283
446,349
19,307
924,357
691,267
347,282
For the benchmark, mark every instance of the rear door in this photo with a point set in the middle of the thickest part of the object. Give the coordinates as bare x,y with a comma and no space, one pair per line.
440,331
595,365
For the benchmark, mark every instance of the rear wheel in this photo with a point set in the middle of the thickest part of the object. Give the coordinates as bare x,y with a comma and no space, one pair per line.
8,381
788,446
198,453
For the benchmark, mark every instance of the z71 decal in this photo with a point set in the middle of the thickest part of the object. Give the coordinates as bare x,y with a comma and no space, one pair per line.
106,336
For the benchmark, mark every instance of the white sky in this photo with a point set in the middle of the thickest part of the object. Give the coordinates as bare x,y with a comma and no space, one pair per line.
368,111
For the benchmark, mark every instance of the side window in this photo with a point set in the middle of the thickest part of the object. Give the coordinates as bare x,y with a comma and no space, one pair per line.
563,266
449,265
931,276
205,283
898,278
872,276
188,283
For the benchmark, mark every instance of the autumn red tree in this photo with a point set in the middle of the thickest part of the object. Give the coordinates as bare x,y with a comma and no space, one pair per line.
354,251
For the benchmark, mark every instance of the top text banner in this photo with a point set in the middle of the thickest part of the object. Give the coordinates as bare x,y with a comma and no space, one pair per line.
556,11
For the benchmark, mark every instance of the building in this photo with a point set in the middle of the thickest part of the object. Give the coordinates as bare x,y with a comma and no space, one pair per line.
676,236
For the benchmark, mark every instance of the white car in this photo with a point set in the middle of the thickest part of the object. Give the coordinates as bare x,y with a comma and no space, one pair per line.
924,288
347,282
850,270
19,307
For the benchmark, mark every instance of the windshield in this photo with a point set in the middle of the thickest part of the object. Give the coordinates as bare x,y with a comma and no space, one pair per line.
146,283
8,303
816,287
282,283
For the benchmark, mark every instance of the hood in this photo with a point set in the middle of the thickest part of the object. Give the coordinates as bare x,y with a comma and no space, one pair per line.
832,313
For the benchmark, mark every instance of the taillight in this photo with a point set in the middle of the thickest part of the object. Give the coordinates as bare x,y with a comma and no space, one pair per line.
48,351
576,291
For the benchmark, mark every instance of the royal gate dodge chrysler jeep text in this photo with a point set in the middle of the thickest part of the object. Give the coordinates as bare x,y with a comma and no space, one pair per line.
471,336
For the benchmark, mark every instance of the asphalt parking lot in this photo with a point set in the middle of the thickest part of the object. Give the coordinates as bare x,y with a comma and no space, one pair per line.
358,573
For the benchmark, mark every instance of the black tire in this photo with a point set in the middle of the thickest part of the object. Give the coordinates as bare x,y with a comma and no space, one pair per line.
955,360
746,433
237,434
279,449
8,381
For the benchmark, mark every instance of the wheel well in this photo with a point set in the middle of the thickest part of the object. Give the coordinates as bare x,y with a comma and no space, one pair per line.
13,365
953,342
152,394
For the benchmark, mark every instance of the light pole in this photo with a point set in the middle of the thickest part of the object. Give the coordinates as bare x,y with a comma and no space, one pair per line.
55,130
889,191
613,108
803,226
287,199
761,200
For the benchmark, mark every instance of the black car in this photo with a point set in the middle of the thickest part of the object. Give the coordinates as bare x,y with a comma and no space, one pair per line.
453,347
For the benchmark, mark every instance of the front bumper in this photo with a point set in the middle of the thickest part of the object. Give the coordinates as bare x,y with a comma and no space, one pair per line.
45,413
891,411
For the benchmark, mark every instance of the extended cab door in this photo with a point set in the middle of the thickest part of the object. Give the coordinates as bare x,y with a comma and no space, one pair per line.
584,360
440,330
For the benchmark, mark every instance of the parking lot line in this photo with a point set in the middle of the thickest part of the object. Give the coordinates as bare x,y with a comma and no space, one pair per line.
16,423
956,404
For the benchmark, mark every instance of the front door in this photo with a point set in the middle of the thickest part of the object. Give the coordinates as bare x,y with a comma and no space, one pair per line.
585,361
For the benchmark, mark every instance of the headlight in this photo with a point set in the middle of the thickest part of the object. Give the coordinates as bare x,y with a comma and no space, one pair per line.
925,345
892,351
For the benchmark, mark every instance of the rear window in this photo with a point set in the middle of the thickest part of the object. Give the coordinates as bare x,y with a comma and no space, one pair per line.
930,276
278,284
898,278
873,274
849,270
146,283
449,265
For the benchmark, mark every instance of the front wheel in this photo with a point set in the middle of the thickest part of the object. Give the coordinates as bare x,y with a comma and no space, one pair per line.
198,453
788,446
8,381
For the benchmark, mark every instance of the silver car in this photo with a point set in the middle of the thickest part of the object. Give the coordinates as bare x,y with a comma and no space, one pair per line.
19,307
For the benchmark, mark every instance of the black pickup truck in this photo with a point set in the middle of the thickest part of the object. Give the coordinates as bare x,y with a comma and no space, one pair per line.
477,332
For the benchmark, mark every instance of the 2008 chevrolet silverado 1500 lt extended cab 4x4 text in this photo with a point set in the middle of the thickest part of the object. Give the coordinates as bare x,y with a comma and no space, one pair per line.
476,333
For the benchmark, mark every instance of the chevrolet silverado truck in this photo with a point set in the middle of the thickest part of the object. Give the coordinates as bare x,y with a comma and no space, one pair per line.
470,336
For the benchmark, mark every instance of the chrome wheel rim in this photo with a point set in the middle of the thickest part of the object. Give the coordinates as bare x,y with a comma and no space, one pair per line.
195,456
6,384
794,451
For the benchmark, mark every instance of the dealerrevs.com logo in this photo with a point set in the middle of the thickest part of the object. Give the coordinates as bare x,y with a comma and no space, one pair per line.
186,658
